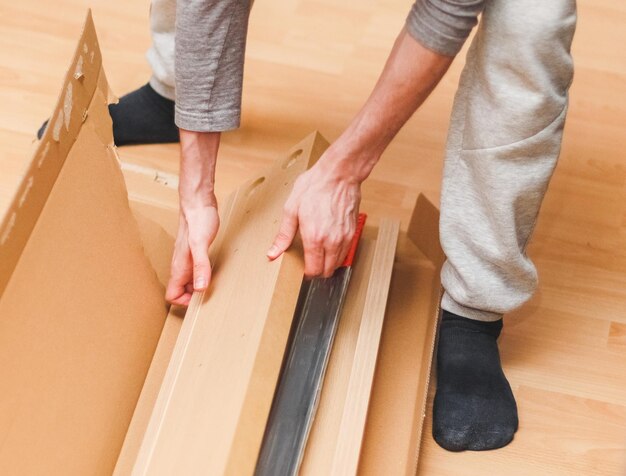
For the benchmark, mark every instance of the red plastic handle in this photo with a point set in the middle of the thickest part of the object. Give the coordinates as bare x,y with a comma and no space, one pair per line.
360,224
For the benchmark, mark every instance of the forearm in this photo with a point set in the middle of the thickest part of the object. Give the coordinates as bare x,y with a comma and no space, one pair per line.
197,168
410,74
199,220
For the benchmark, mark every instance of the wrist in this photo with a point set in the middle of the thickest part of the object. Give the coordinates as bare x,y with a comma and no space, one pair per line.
197,170
193,201
355,153
348,161
196,189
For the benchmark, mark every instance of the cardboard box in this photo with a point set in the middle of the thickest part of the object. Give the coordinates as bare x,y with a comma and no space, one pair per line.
85,334
81,306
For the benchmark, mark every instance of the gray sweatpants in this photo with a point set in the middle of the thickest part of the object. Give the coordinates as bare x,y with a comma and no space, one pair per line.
161,53
503,144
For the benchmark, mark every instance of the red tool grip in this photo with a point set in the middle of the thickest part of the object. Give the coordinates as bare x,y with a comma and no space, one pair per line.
360,224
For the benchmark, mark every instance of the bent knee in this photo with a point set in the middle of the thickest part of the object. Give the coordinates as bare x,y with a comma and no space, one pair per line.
521,69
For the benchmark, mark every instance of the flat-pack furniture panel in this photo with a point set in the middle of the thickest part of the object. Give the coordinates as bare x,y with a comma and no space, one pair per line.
352,424
211,412
395,416
81,308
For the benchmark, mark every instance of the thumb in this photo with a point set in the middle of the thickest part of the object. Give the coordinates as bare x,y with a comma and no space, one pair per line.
201,265
202,231
286,234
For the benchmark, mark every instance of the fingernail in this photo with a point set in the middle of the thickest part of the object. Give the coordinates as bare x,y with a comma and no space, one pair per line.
272,251
199,283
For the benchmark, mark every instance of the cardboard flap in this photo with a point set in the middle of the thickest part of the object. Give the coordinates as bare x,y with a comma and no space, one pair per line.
83,77
81,308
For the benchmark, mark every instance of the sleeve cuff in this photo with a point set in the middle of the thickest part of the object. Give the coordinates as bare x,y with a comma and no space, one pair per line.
441,26
214,121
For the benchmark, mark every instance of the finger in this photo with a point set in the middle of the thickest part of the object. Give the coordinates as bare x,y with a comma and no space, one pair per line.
332,255
176,289
203,225
285,236
201,263
313,259
346,244
343,252
182,300
181,273
331,258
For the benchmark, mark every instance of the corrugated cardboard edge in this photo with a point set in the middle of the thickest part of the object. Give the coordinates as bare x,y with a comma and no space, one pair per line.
423,230
83,80
69,114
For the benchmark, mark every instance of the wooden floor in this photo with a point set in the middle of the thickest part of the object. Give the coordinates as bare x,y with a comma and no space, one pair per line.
310,65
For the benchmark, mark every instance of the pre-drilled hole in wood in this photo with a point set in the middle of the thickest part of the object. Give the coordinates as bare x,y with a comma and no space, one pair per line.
255,185
292,159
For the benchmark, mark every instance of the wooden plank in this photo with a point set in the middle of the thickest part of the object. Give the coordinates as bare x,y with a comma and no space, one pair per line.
211,411
348,449
144,191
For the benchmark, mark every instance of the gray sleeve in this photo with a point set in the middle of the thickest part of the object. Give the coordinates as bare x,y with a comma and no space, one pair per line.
443,25
210,47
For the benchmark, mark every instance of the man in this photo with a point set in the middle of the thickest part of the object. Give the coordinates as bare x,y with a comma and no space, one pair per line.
503,144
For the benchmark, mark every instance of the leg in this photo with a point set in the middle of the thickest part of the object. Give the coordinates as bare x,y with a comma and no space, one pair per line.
146,115
161,52
502,156
504,142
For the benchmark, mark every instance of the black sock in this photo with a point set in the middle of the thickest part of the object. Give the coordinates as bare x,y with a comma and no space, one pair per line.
141,117
474,406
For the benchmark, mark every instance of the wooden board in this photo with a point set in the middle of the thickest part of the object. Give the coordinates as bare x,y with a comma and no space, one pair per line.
144,193
352,425
211,411
346,382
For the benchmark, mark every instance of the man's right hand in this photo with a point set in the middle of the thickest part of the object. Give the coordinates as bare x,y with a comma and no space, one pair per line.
199,220
191,268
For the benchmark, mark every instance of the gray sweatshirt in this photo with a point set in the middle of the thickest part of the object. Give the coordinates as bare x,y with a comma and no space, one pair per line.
211,42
